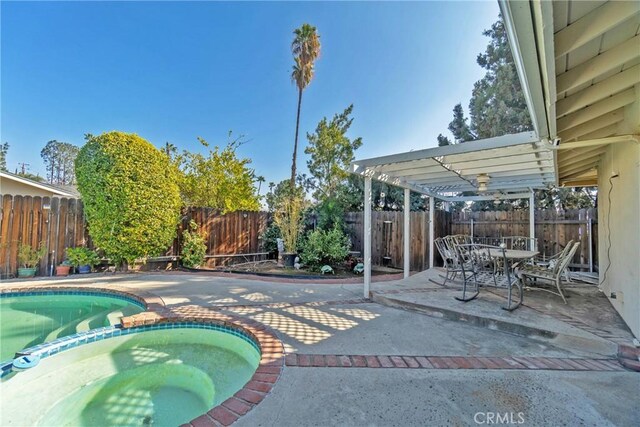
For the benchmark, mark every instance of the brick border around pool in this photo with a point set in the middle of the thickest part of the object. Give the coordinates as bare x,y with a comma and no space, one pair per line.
253,392
449,362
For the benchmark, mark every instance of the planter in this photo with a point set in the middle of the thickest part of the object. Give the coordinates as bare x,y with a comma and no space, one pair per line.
63,270
26,272
289,260
84,269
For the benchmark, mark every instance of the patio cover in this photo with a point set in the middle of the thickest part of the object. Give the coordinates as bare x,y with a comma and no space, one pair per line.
515,164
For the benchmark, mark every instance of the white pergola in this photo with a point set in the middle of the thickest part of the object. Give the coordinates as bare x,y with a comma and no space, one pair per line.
505,167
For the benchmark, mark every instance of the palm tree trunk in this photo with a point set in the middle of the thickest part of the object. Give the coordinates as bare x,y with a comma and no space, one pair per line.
295,144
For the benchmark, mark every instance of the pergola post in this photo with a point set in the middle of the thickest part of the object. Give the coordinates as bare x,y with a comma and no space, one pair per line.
431,229
367,235
532,219
407,232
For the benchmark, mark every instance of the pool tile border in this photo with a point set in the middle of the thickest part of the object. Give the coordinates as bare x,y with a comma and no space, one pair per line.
159,316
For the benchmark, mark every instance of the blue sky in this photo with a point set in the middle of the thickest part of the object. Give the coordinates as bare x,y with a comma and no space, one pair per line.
173,71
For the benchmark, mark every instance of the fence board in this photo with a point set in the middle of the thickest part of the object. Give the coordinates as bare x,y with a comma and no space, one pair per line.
554,229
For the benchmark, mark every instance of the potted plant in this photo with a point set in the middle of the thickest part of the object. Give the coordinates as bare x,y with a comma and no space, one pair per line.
288,218
64,268
82,259
28,258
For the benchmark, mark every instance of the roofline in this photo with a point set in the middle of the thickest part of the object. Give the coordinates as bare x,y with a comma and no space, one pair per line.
519,24
447,150
37,184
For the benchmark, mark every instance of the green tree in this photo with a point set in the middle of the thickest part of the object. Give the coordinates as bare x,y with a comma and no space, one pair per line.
4,148
331,152
459,126
130,195
220,180
497,104
59,158
443,140
306,49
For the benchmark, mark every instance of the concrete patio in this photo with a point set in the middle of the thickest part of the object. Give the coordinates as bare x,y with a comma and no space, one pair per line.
352,361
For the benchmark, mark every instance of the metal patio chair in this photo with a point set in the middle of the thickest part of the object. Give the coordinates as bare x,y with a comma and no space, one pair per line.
533,275
481,267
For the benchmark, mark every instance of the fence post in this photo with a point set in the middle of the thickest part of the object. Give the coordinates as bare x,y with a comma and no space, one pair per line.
590,237
471,226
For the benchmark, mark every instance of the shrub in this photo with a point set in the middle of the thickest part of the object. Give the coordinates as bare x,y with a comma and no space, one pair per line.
82,256
288,217
325,247
130,196
194,248
270,239
28,257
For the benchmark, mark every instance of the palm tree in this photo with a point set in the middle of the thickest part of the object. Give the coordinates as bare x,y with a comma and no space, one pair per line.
260,180
306,49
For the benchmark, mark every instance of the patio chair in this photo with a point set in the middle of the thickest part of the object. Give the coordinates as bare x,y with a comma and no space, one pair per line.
449,259
522,243
477,267
545,262
532,274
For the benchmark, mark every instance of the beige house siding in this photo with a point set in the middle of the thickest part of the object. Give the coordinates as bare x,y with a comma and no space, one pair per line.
15,188
622,218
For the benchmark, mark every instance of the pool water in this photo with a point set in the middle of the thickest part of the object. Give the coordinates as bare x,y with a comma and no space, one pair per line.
158,377
26,321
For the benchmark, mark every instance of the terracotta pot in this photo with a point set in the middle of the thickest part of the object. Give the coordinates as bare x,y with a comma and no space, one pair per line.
63,270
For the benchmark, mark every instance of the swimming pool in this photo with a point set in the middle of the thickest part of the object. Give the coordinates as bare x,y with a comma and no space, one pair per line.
31,318
157,375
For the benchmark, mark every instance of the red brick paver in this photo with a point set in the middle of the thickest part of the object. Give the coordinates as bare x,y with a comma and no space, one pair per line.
453,362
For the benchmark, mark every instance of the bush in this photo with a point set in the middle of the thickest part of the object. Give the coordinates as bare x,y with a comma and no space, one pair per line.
288,217
82,256
325,247
130,196
194,248
28,257
270,239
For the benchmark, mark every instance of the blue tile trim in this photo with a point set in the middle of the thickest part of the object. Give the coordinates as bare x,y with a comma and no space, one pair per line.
74,292
71,341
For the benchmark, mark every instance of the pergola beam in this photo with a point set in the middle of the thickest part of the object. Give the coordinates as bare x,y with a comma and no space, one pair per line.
599,141
592,25
485,198
485,144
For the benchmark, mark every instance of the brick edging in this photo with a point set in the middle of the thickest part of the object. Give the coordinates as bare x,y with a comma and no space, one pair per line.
150,300
263,379
449,362
254,391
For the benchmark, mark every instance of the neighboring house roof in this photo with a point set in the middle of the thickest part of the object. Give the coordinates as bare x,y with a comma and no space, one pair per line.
63,191
579,64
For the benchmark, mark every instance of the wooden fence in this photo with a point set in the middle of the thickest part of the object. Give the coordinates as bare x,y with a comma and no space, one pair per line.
387,236
231,234
52,222
552,228
58,223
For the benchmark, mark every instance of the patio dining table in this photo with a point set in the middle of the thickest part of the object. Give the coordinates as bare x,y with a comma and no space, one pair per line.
513,254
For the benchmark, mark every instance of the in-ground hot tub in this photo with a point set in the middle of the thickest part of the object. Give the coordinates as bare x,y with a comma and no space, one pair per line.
158,375
31,318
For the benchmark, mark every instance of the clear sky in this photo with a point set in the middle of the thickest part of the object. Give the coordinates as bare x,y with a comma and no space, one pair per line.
173,71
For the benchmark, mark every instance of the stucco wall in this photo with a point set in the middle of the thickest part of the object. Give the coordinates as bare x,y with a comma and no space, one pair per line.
622,217
8,186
